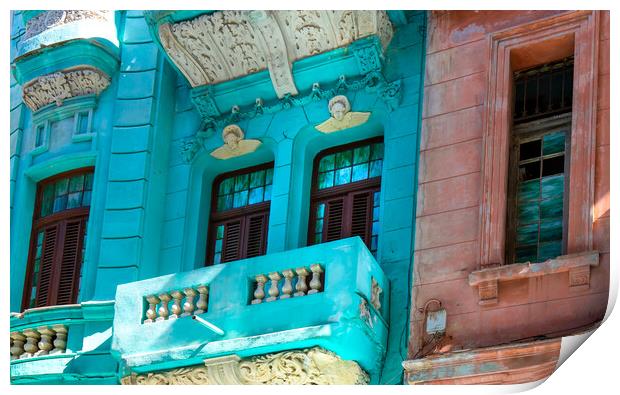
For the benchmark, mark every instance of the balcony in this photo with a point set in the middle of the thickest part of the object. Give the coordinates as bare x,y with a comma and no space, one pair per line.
331,297
46,342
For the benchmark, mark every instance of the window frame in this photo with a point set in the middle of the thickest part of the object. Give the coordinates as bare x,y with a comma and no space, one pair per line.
244,213
523,133
347,191
59,219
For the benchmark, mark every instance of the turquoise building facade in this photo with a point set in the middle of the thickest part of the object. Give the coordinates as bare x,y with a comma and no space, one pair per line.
129,107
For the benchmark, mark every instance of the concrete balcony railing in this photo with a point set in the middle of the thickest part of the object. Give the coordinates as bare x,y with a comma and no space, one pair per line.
332,295
45,341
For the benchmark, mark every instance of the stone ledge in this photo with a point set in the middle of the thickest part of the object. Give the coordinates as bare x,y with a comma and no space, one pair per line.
506,364
578,265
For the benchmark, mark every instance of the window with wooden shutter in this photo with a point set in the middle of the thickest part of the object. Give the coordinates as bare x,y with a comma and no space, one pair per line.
537,180
240,214
57,242
346,192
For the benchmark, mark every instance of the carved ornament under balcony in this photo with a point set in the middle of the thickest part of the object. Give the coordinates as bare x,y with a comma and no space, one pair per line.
230,44
64,84
54,18
301,367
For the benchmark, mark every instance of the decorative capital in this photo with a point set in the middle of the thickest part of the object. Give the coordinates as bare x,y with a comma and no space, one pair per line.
64,84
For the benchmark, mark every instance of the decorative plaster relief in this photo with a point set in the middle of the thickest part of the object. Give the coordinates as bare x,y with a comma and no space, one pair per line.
234,144
64,84
54,18
341,116
309,366
225,45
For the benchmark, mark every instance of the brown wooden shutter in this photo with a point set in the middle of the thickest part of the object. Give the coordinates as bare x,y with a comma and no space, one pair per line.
231,246
333,222
46,269
256,235
70,262
361,220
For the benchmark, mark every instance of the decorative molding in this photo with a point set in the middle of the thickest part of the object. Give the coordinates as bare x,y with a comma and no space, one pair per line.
341,116
54,18
225,45
235,144
212,119
578,266
64,84
308,366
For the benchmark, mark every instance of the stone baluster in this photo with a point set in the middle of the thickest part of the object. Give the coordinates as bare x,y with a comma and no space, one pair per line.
177,298
151,313
315,283
287,288
45,345
301,287
60,343
259,292
203,292
31,347
273,288
163,309
17,346
188,306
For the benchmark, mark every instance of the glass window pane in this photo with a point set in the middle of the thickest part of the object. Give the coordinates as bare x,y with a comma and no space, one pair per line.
62,187
343,159
528,214
361,154
217,258
529,191
375,212
48,200
552,186
75,200
320,210
318,238
267,196
76,183
241,182
525,254
375,228
549,250
551,208
326,180
218,245
82,126
88,181
529,171
376,198
60,203
40,136
553,143
268,176
360,172
257,179
527,234
318,226
375,168
241,199
256,195
327,163
373,242
551,230
343,176
553,165
220,232
86,198
377,151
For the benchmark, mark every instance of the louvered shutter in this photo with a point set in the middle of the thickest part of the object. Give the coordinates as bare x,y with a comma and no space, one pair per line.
333,222
70,262
46,270
231,246
361,219
256,235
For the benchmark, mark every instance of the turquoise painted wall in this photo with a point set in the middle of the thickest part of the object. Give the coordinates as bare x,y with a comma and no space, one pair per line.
149,214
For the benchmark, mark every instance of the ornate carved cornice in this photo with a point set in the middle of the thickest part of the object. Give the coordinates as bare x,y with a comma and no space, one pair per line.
54,18
225,45
64,84
309,366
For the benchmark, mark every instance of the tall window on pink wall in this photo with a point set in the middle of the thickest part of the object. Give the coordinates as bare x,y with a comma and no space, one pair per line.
539,162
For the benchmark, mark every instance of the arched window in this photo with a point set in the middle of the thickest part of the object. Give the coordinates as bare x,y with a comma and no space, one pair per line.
57,241
345,193
240,214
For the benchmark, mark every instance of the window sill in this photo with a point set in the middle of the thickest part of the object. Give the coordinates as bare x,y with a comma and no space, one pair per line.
578,266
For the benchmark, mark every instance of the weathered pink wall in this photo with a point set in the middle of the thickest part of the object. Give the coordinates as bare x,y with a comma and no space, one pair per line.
449,195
